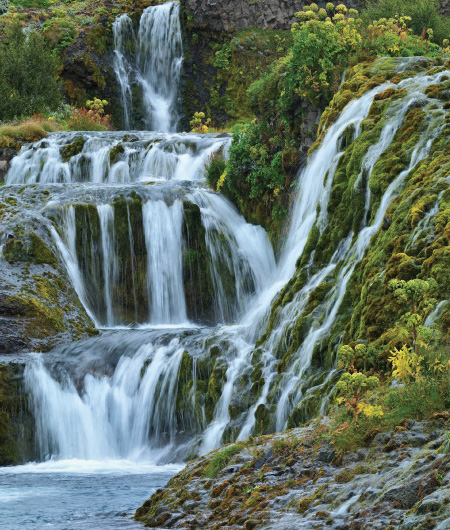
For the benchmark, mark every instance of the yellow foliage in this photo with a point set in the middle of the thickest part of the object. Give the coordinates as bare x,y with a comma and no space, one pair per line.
97,105
406,363
221,181
198,125
370,411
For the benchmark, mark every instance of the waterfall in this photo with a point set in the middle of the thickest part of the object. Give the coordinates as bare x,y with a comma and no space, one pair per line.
153,66
115,158
109,256
146,245
163,227
123,32
108,420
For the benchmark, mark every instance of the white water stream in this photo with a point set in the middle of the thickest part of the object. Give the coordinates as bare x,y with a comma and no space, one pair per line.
153,65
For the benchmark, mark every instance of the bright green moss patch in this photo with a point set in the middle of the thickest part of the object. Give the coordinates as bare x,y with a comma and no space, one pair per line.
220,460
72,149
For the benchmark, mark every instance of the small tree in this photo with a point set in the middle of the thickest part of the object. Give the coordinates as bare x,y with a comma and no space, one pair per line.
28,82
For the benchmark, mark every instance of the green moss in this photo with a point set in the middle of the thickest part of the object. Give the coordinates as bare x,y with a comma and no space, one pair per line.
75,148
9,450
198,283
220,460
115,153
29,248
43,318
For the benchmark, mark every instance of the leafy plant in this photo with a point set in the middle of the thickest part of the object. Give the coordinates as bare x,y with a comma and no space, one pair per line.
28,80
424,14
406,363
59,31
215,169
199,124
352,388
412,295
88,120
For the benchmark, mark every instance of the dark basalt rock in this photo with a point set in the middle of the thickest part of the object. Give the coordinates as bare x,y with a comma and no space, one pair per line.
10,336
226,15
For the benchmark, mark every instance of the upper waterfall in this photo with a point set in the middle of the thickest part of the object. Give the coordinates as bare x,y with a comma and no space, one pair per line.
147,63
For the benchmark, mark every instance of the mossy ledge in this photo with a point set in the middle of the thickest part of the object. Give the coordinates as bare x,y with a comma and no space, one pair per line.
298,478
39,307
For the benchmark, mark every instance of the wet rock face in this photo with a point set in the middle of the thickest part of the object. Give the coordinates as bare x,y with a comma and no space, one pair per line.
295,480
241,14
445,7
38,305
16,423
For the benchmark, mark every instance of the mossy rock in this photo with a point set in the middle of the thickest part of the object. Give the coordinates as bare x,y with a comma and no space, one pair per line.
29,248
73,149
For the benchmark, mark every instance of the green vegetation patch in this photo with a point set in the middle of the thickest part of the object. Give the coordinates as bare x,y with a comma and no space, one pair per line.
220,460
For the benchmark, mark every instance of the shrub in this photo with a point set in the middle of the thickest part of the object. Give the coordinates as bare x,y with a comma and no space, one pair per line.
88,120
252,172
28,82
29,131
215,168
416,400
264,161
424,15
60,32
199,124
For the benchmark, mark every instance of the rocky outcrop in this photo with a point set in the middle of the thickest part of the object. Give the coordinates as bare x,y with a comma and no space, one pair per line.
228,15
38,305
296,480
16,423
445,7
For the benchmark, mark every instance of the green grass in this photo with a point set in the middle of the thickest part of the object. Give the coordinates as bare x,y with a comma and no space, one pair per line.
220,460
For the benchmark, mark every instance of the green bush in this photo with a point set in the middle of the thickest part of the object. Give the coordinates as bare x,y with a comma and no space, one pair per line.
255,164
264,160
215,169
27,75
424,15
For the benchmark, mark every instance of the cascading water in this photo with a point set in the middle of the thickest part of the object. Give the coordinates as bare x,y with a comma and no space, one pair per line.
163,239
150,70
147,246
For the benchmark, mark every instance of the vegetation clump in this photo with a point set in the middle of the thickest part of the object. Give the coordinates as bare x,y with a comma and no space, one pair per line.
220,460
28,81
264,159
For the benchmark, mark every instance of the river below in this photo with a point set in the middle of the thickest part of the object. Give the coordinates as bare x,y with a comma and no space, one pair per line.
77,494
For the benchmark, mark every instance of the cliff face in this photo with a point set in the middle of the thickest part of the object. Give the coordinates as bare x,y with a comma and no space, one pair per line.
228,15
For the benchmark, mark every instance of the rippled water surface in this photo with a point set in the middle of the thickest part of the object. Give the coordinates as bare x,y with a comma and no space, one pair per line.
75,495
